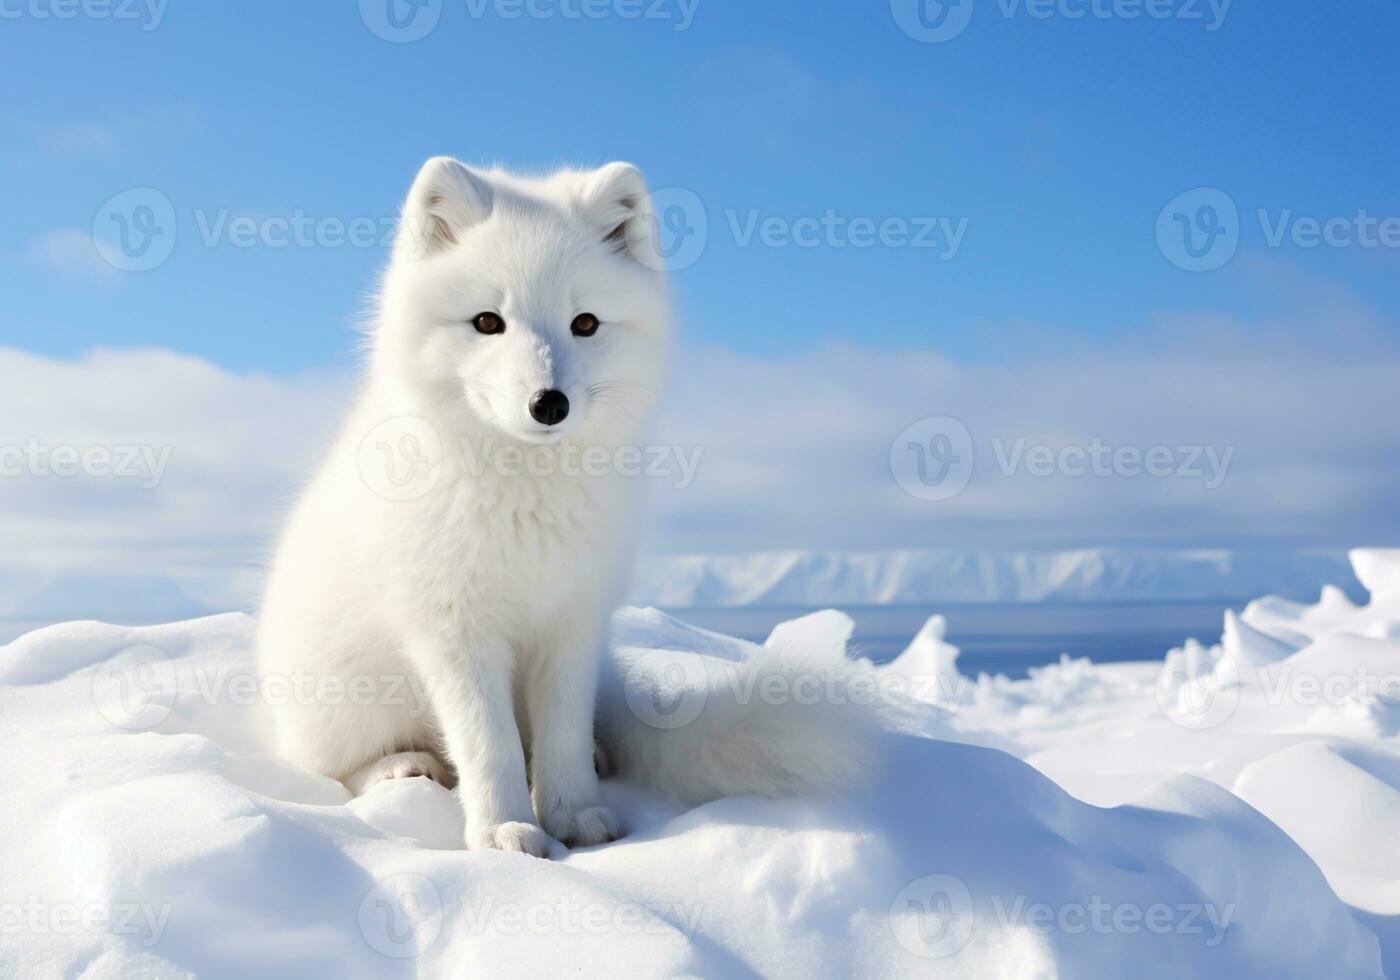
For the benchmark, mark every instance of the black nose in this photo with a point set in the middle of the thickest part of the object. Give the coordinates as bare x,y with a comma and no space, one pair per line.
549,407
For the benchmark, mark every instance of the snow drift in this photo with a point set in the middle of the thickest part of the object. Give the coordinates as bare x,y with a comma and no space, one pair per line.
1182,819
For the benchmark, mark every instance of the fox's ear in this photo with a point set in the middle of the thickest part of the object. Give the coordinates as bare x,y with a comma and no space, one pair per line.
615,200
446,198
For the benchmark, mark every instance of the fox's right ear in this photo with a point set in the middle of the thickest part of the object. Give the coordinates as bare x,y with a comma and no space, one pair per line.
446,198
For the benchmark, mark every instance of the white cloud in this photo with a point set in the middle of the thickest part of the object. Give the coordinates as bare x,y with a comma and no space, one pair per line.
71,252
81,139
795,451
233,447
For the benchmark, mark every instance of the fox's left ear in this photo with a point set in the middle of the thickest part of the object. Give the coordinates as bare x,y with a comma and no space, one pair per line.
615,200
445,200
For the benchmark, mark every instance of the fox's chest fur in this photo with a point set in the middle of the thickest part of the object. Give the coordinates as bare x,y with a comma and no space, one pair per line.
503,551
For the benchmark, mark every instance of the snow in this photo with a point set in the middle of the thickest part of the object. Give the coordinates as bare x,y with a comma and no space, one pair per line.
1231,811
807,578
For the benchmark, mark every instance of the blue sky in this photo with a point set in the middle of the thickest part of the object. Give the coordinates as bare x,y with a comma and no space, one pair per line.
1050,141
1059,140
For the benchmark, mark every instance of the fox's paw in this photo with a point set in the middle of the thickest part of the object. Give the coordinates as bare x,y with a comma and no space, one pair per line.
583,827
400,765
515,835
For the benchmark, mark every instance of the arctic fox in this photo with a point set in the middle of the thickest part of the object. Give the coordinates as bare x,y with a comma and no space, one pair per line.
456,538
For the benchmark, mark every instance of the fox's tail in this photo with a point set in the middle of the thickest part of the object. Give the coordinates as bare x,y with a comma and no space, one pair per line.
784,721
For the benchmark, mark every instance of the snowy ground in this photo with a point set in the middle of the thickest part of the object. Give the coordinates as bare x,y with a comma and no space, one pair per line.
1231,812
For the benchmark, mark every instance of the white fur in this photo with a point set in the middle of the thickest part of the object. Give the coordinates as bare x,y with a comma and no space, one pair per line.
490,589
784,721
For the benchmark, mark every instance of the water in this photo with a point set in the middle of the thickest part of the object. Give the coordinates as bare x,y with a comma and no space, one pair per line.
995,638
1005,638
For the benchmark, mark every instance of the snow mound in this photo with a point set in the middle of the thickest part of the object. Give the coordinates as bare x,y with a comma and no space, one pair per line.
1296,711
146,830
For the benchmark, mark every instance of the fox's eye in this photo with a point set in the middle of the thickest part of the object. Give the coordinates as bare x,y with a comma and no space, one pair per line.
488,323
584,325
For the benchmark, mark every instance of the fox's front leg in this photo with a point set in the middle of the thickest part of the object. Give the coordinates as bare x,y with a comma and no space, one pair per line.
559,694
470,691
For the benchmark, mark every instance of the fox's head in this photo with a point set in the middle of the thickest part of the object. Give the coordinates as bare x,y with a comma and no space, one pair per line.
535,306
